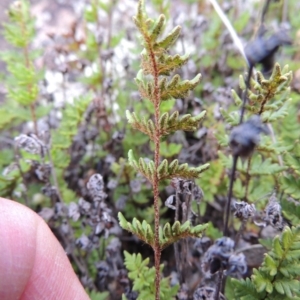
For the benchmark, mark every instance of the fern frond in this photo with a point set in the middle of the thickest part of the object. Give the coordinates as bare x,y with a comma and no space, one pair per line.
143,278
279,274
245,290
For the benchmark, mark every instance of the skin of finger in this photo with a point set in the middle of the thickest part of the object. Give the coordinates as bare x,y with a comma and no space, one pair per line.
33,265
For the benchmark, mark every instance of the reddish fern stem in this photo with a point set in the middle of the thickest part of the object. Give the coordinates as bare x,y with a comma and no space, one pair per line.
156,102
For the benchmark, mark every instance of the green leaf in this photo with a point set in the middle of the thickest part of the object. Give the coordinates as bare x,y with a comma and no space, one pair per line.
280,271
167,230
272,267
122,221
163,169
157,28
169,40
